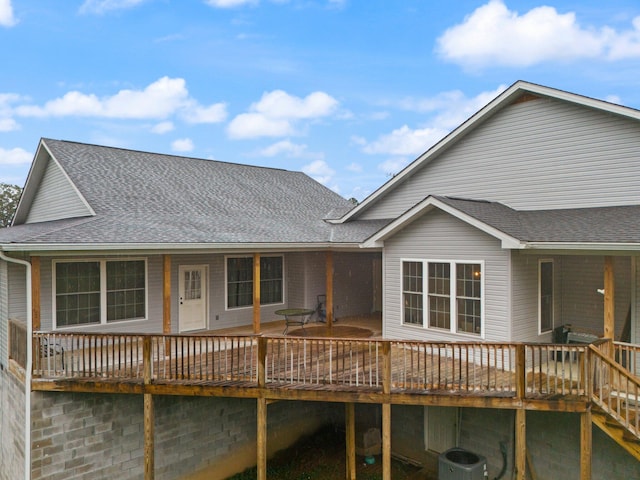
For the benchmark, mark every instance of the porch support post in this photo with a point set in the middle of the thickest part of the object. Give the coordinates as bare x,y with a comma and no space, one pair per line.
386,441
256,293
521,443
350,440
329,287
262,439
609,298
586,444
35,293
166,294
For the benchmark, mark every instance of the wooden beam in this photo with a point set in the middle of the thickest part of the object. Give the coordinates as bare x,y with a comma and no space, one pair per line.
149,428
586,445
261,461
350,429
329,287
386,441
256,293
148,416
166,294
521,444
35,293
609,298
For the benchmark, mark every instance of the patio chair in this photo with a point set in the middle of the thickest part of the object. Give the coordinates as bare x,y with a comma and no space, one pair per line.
50,349
321,309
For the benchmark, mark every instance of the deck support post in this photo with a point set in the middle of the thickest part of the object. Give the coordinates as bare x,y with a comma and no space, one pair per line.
521,444
386,441
329,288
256,293
609,298
262,439
148,415
586,444
350,440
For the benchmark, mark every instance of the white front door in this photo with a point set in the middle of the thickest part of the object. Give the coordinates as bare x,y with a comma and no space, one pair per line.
192,285
440,424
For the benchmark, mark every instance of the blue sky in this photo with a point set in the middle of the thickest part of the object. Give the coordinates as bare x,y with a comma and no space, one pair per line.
348,91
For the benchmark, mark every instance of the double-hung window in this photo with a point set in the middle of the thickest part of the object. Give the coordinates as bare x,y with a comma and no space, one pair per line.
443,295
240,281
95,292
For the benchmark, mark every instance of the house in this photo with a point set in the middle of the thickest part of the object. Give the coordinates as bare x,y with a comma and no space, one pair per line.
520,224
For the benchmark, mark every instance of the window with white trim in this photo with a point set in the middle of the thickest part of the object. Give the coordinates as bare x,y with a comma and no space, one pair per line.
240,281
451,291
545,294
95,292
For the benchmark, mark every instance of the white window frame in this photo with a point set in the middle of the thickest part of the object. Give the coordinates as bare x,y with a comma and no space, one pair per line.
453,306
103,291
226,282
553,296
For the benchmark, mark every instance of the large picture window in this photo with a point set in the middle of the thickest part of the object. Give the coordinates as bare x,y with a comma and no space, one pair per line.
452,295
99,291
240,281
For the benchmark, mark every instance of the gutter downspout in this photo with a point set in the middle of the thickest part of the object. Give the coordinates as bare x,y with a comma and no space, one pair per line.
27,368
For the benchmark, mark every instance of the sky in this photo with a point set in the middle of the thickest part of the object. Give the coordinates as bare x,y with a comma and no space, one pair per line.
347,91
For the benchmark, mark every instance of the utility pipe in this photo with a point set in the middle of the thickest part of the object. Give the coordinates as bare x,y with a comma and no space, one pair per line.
27,368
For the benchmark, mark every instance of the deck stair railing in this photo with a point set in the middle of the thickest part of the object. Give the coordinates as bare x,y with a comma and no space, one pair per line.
615,389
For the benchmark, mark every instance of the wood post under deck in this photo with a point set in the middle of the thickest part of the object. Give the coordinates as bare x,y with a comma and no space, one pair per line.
586,444
350,439
149,416
35,293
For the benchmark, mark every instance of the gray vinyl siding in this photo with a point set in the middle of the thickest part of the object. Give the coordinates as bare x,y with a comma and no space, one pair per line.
17,291
4,313
353,284
541,154
56,198
438,236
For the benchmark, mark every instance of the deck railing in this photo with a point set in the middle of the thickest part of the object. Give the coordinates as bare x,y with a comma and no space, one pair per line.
488,369
18,342
628,356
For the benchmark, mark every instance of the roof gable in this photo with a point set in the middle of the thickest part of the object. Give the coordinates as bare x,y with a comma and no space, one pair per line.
377,205
49,194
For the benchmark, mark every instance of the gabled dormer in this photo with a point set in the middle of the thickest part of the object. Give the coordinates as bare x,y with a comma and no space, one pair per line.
49,194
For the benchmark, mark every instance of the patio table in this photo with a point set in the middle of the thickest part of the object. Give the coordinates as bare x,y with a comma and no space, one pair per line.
294,316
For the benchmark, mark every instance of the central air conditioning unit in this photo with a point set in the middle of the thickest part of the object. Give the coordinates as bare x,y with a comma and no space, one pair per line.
461,464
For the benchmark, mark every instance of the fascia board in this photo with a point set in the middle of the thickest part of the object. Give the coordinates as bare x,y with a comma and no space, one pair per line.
600,247
155,248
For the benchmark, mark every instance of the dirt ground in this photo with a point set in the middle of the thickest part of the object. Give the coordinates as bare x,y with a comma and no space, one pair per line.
322,457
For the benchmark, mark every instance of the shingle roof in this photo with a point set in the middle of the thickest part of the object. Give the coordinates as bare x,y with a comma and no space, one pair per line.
147,198
573,225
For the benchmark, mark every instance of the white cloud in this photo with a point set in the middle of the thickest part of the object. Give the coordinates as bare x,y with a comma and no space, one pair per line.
15,156
405,141
215,113
162,127
7,18
252,125
494,35
354,167
8,125
320,171
159,100
277,113
284,147
182,145
103,6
